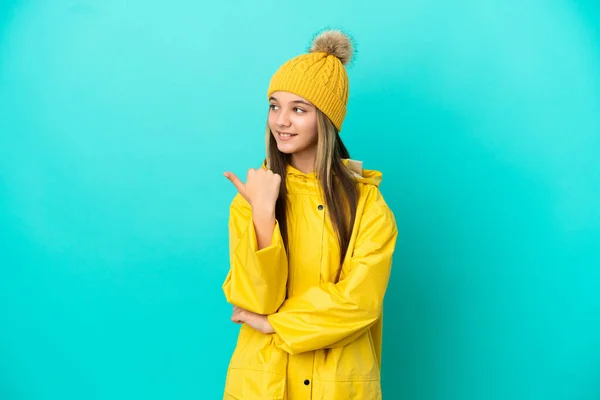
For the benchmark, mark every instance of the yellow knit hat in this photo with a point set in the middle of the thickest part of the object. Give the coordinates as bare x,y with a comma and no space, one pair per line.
319,76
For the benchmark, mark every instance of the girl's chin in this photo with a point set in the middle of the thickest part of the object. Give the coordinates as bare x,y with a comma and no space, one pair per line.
286,149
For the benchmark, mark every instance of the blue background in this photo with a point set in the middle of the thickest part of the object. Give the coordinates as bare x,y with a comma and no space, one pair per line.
117,120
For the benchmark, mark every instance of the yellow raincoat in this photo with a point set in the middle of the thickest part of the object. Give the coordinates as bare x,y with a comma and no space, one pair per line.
327,344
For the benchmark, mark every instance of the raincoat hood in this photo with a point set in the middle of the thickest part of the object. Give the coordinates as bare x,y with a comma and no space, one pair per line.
366,176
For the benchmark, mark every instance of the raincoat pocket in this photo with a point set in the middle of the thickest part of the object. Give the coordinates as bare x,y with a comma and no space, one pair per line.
348,373
347,390
248,384
257,370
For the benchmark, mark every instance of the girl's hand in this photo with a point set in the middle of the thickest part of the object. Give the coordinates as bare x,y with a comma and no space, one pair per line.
261,188
256,321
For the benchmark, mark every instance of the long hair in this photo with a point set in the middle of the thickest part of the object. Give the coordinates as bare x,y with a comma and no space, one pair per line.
337,183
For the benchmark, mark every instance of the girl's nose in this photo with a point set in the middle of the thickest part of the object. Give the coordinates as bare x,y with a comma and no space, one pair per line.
283,119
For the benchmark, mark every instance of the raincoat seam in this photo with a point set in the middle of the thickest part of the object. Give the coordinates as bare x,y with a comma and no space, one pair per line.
348,380
323,221
258,370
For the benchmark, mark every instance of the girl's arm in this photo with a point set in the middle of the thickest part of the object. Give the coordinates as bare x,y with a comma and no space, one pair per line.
258,271
331,315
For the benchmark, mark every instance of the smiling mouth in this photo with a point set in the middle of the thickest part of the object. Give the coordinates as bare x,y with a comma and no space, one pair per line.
285,135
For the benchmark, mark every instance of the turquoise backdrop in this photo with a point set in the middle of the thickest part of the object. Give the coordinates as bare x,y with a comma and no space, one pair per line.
118,118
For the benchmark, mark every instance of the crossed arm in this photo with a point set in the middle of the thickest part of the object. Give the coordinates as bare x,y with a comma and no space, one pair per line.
325,316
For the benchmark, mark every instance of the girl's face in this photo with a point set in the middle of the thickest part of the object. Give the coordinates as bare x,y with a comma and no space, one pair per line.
293,123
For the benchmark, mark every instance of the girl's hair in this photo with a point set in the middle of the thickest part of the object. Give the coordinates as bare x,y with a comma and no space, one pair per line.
336,181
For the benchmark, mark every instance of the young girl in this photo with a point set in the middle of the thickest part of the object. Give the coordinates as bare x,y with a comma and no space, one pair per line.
311,243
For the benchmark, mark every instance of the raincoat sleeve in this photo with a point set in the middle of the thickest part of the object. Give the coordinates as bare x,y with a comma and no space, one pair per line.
257,279
334,314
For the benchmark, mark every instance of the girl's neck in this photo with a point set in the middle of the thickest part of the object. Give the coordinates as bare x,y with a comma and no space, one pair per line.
303,163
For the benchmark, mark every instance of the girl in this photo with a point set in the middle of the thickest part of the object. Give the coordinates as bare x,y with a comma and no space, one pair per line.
311,244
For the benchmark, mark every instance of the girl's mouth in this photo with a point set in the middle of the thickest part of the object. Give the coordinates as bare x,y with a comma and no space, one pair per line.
285,135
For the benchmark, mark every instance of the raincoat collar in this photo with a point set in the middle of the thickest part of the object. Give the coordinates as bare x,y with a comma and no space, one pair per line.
372,177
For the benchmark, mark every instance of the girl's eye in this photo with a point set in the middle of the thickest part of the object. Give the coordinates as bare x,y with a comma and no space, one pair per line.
272,106
298,110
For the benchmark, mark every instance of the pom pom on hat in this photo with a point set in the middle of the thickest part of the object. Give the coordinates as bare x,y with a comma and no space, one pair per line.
335,43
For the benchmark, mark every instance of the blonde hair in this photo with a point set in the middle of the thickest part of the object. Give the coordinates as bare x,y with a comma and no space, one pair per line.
337,183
